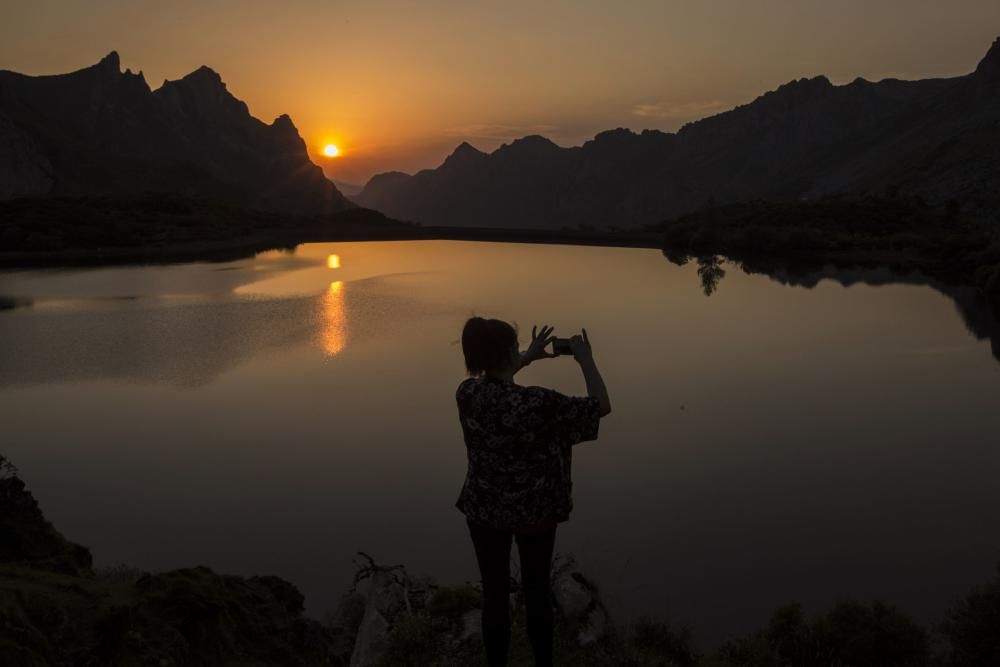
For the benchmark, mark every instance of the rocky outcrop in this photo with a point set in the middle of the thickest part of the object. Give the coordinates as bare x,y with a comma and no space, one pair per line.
54,610
448,620
386,602
101,131
29,539
937,139
578,601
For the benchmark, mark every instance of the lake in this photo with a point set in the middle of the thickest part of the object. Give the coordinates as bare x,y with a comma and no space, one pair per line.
811,437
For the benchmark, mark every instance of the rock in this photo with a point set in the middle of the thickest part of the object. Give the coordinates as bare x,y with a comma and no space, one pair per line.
385,603
573,592
472,624
594,627
578,601
371,640
30,539
55,610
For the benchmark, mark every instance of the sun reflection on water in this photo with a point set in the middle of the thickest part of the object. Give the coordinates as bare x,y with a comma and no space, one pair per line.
333,316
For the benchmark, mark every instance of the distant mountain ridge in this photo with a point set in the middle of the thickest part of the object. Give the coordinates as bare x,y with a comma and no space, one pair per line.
938,139
101,131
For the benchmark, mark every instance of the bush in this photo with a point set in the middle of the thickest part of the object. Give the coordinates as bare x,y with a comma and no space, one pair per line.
661,642
972,628
849,634
7,469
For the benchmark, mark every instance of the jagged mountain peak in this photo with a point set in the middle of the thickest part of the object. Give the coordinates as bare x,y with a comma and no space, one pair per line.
284,121
531,145
284,126
110,62
533,140
205,76
108,68
805,85
108,76
465,148
463,154
191,136
935,138
990,64
617,134
203,89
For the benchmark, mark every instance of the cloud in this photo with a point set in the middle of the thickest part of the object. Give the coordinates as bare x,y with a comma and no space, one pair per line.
679,110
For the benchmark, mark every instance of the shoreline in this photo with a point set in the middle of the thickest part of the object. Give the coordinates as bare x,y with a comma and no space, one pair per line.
232,249
902,262
155,229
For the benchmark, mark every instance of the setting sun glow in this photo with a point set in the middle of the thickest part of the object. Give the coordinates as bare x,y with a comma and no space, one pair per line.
331,151
333,330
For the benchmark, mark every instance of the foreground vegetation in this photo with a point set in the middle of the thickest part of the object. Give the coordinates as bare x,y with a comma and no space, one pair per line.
55,609
851,634
905,235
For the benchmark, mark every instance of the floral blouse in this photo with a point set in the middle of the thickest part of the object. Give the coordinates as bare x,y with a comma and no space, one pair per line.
519,442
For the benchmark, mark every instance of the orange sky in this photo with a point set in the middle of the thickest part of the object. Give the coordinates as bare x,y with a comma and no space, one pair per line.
398,84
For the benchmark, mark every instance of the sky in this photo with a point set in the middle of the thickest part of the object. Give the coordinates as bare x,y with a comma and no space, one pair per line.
397,84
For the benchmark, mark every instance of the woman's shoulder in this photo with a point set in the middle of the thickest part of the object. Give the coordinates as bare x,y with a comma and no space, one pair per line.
465,386
470,386
486,387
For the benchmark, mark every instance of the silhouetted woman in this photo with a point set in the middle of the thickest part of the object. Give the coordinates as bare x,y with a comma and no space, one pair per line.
518,484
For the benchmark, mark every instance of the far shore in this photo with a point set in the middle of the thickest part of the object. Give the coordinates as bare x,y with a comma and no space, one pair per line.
160,228
901,260
237,248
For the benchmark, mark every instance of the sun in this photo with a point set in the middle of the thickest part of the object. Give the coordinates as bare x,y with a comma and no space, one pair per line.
331,151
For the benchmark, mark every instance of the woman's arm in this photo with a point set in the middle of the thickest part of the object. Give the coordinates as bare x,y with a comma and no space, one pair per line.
584,356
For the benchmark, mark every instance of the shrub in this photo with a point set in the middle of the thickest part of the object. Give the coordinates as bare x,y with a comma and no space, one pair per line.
972,628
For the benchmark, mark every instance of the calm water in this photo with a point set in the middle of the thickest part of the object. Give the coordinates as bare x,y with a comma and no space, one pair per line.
769,443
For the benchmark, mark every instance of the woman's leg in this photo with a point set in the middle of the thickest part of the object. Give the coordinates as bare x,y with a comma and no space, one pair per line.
536,572
493,553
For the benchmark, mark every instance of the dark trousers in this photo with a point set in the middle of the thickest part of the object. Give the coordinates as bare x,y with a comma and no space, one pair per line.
493,553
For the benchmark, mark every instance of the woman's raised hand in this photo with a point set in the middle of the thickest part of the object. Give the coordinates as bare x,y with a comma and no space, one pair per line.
539,341
580,345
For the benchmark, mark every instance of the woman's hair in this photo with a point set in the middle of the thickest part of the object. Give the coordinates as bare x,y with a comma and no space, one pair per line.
487,345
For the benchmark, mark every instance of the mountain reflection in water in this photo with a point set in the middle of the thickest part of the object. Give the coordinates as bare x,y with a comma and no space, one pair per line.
981,318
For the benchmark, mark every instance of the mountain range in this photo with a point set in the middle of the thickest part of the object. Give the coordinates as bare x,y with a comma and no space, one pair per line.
101,131
936,139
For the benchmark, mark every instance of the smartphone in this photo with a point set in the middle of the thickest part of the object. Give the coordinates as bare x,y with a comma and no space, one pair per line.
561,346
